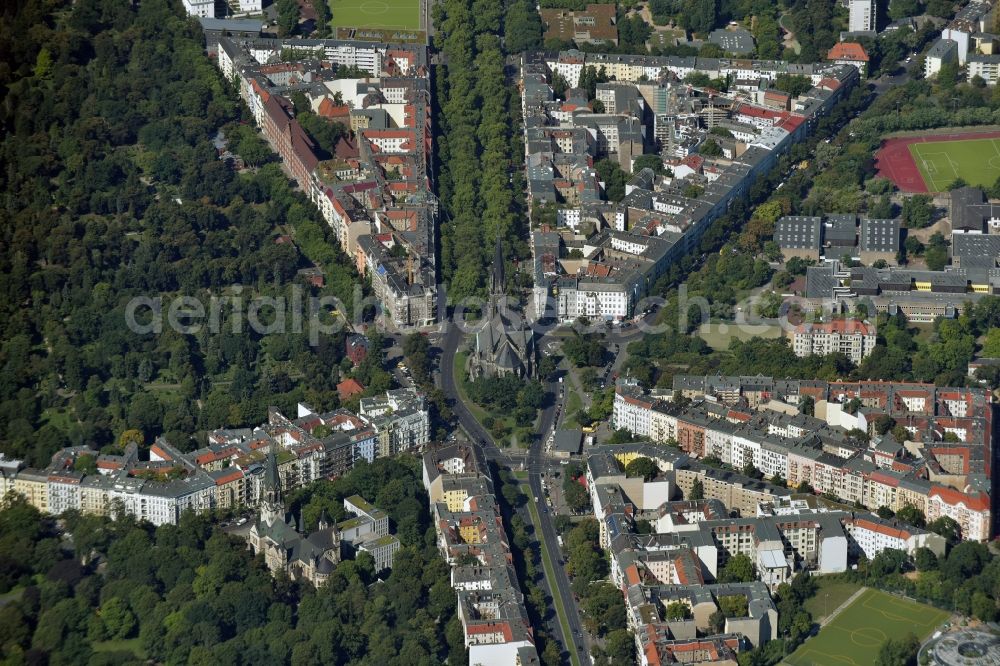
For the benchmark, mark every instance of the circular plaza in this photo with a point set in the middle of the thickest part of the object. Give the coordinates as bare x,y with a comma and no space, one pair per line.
967,647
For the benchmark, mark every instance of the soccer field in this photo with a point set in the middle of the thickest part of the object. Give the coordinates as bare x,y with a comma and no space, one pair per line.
389,14
854,636
976,161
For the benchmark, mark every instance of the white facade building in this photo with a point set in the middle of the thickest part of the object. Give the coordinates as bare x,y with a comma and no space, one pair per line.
862,16
201,8
853,338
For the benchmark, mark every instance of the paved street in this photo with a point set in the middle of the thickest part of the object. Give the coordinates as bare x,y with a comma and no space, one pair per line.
558,584
555,579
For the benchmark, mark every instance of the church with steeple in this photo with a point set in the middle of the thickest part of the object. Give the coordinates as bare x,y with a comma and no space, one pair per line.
301,555
503,347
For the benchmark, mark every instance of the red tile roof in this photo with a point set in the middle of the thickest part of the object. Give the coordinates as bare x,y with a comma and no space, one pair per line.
848,51
791,122
693,161
758,112
212,456
328,109
155,448
235,475
977,502
348,388
346,148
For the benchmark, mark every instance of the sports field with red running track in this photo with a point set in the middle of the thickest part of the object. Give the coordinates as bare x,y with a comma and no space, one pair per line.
894,161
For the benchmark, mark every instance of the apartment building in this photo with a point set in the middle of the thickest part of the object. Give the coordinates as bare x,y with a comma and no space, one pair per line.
850,337
679,562
472,540
861,15
375,186
634,242
742,421
400,419
228,472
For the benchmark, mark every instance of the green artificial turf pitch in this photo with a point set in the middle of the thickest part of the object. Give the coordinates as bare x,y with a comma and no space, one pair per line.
391,14
854,637
976,161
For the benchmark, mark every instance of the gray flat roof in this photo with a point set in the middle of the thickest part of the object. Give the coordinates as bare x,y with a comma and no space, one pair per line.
567,441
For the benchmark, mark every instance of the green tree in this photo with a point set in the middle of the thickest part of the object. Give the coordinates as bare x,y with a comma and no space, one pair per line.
678,610
288,16
710,148
912,515
86,463
898,652
983,607
734,605
43,64
575,495
792,84
610,173
946,527
697,490
739,569
991,343
925,559
899,9
642,467
917,211
118,620
522,27
936,254
883,423
648,161
717,622
620,646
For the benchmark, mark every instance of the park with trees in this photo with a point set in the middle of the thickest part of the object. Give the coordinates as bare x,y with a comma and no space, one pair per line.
477,142
116,192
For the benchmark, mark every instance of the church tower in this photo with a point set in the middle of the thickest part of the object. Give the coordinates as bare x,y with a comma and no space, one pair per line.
272,507
505,344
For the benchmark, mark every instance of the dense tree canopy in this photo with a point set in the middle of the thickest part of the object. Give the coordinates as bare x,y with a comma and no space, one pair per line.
739,569
477,141
642,467
192,594
114,191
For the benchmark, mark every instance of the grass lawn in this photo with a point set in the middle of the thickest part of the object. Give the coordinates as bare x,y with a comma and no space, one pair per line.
718,334
854,637
976,161
59,417
829,596
392,14
549,567
10,596
132,645
573,404
462,383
